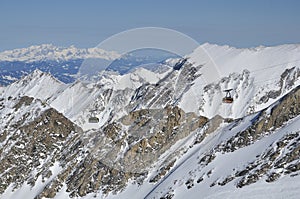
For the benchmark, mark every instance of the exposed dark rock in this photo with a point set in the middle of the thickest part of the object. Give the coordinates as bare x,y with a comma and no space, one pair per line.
25,100
287,81
189,184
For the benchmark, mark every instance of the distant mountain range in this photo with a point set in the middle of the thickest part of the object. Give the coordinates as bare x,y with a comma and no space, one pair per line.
49,52
64,63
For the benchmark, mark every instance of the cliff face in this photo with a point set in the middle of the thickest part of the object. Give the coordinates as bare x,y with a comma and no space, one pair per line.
52,151
276,160
31,143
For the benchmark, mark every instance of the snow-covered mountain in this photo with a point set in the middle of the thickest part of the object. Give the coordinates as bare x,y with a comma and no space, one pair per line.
54,53
61,62
258,76
161,134
65,63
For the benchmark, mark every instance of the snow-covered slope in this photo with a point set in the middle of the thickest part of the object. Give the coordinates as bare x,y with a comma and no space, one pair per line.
160,134
79,101
51,52
207,181
260,60
252,74
38,85
239,69
240,159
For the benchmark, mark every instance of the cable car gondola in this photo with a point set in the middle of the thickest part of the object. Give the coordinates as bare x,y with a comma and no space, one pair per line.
93,118
227,98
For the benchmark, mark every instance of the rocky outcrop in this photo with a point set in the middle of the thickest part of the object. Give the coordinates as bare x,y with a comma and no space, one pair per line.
25,100
277,160
168,91
267,120
33,147
54,150
126,149
286,82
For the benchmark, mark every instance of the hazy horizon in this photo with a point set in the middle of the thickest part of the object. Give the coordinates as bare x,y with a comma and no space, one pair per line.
85,24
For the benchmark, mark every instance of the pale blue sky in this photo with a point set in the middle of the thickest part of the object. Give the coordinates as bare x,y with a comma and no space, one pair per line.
85,23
